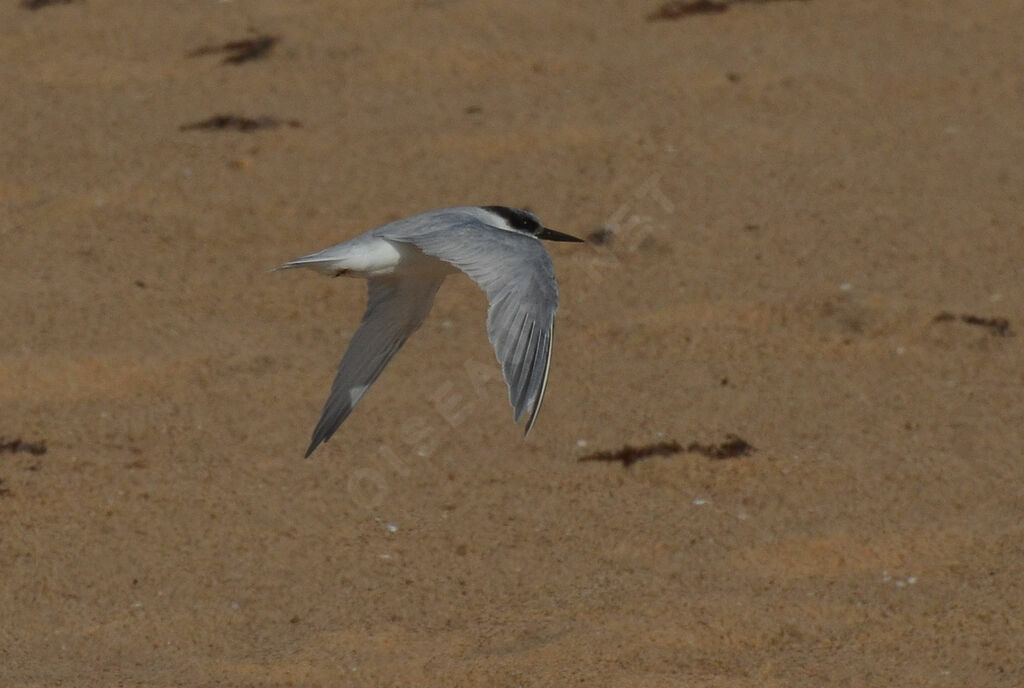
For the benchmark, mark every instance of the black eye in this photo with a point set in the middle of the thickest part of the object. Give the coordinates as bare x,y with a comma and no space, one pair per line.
523,222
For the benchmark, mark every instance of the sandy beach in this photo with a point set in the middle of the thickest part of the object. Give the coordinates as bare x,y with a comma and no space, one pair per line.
801,307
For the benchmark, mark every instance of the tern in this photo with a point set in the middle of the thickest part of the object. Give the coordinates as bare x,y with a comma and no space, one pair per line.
404,263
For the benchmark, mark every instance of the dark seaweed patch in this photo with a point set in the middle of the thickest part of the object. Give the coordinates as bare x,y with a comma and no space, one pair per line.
677,9
19,445
629,455
601,236
685,8
241,51
237,123
733,447
998,327
40,4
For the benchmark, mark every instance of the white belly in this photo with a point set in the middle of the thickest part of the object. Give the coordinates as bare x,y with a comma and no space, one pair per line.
370,256
374,257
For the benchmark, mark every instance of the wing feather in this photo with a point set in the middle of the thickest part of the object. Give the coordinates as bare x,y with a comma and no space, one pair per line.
516,273
395,308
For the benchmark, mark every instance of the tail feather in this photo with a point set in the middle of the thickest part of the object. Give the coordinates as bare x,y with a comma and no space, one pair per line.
326,266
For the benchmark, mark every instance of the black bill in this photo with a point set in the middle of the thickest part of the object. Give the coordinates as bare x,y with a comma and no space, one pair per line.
552,235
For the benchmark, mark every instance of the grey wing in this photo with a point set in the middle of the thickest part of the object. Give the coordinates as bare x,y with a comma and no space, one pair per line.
395,309
516,273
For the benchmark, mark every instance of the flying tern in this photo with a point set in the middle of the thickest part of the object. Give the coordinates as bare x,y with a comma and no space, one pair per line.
404,263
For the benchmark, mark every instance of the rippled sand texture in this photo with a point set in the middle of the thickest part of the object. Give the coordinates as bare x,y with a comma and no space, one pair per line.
816,246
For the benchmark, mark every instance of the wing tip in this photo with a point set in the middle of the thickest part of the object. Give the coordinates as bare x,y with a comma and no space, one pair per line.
319,437
325,429
533,405
531,421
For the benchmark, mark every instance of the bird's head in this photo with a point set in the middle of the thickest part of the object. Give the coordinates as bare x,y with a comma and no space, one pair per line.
524,222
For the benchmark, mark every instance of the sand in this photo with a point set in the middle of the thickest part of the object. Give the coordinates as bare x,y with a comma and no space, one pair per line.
816,216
